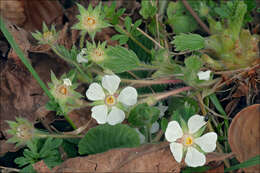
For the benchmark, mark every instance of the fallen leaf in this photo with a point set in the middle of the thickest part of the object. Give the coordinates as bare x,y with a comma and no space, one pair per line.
21,95
30,14
146,158
244,135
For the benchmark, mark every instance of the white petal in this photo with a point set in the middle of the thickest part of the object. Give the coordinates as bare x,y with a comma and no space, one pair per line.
173,131
115,116
81,59
194,158
141,136
207,142
155,127
99,113
111,83
128,96
195,123
204,75
162,109
95,92
177,151
67,82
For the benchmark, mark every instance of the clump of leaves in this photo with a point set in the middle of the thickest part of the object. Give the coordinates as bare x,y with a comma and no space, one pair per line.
231,47
46,150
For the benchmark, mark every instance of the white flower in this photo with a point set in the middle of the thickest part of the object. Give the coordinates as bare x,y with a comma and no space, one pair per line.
155,126
67,82
80,57
204,75
187,140
108,111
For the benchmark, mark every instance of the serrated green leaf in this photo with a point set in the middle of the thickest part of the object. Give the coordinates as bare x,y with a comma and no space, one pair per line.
21,161
147,10
143,115
189,42
128,22
183,24
193,63
120,59
105,137
50,145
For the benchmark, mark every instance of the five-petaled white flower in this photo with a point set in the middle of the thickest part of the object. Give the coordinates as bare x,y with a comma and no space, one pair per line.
204,75
188,140
109,101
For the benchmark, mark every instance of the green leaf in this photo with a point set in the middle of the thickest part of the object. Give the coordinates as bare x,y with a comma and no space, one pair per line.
144,56
105,137
69,148
188,42
128,22
28,169
120,59
250,162
148,10
217,104
193,62
183,24
21,161
164,124
50,145
143,115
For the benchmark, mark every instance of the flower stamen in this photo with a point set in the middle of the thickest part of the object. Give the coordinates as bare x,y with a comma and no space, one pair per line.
187,140
110,100
63,90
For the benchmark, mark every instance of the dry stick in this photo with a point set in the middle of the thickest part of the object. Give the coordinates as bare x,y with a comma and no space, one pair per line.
145,34
196,17
10,169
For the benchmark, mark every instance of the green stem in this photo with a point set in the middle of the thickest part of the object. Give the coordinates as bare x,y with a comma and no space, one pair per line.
81,42
22,57
151,82
136,41
73,63
46,135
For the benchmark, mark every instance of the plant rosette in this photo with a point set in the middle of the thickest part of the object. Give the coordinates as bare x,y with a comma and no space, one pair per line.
48,36
108,102
93,52
187,140
91,20
63,92
22,131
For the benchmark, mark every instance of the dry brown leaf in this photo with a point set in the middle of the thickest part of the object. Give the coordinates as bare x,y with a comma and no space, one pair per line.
146,158
244,135
30,14
20,94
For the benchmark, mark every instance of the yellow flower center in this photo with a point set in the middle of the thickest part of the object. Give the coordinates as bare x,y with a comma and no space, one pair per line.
89,22
63,90
47,35
99,52
110,100
188,141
